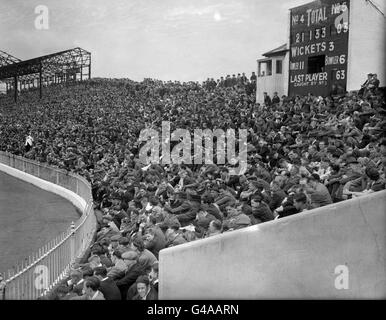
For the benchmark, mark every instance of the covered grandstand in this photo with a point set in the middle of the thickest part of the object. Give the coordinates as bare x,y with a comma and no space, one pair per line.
64,66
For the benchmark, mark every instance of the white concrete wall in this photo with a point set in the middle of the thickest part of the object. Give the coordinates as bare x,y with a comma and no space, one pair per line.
367,43
285,74
294,257
274,82
76,200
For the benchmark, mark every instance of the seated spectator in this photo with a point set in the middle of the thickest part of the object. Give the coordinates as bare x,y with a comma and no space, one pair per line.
368,183
90,290
107,286
202,222
260,210
154,240
235,219
144,255
75,283
215,228
134,270
173,237
300,202
145,290
118,270
318,192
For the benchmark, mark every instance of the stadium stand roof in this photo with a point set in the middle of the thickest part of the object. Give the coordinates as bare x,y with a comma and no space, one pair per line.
57,67
59,62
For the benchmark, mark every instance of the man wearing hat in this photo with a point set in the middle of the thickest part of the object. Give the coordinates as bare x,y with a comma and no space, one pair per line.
134,270
364,86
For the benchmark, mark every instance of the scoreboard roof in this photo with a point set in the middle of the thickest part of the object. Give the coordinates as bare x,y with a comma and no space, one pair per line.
306,4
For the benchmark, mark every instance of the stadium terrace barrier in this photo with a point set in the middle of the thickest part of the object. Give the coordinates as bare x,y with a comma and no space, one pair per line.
43,270
337,251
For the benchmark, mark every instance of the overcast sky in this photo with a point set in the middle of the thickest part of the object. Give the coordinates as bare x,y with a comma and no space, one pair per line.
163,39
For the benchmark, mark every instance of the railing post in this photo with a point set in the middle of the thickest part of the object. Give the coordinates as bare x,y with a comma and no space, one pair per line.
72,242
2,288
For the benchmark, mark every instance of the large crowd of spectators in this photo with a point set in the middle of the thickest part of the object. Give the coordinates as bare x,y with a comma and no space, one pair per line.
303,153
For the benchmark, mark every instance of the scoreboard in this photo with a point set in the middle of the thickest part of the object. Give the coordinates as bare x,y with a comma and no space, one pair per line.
319,48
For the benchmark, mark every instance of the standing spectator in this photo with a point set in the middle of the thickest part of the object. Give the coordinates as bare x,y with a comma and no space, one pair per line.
267,99
275,98
253,78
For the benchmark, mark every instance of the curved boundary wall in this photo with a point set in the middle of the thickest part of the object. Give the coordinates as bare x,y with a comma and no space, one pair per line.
333,252
44,269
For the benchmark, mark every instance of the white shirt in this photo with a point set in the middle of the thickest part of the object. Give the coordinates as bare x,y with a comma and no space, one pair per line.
95,295
29,140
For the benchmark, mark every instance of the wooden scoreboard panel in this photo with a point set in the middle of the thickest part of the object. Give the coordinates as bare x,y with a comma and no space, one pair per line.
319,48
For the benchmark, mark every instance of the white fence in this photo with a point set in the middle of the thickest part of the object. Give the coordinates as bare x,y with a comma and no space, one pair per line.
43,269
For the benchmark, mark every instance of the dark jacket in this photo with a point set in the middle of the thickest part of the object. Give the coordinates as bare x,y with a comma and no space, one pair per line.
158,242
129,278
110,290
152,295
189,214
262,212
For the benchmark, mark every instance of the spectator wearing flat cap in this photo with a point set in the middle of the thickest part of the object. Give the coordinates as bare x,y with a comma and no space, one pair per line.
133,272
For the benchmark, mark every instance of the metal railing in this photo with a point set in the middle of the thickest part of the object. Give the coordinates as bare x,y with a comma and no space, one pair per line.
44,269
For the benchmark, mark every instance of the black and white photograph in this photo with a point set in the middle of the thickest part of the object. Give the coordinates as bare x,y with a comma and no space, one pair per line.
206,151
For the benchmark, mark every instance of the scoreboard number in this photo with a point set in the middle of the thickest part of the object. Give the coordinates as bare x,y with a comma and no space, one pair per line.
299,37
342,27
319,33
340,75
323,32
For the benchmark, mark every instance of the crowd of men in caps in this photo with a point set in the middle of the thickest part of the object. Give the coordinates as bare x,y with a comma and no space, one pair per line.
304,152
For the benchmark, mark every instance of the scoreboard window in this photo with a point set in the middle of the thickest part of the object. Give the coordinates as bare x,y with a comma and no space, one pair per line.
318,44
316,64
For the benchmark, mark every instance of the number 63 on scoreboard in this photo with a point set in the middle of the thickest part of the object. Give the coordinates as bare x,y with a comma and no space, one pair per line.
339,74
